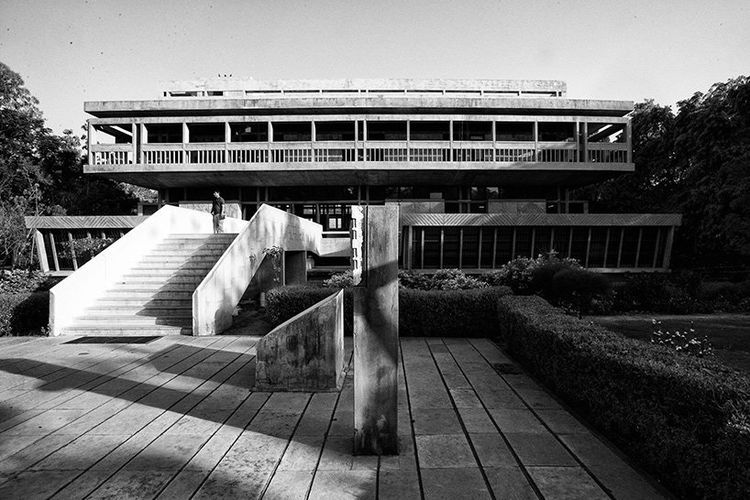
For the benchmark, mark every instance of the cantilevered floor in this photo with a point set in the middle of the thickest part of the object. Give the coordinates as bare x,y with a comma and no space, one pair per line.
176,418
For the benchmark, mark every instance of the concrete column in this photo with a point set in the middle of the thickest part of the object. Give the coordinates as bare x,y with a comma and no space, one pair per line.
295,268
41,251
376,336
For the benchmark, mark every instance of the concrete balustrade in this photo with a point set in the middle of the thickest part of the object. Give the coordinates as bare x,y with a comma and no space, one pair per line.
221,290
78,291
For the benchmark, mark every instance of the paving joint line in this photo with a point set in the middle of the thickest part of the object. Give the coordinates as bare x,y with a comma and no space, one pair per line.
521,466
122,409
166,410
463,425
349,366
411,421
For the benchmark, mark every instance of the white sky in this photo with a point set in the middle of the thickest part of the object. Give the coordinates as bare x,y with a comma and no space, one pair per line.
71,51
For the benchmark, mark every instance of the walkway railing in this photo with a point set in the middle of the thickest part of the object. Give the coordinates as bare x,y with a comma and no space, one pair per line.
360,151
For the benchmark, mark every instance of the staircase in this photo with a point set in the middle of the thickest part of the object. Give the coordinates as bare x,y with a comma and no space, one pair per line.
155,296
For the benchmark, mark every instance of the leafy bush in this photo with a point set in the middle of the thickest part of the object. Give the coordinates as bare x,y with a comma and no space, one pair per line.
23,313
444,279
340,280
564,282
685,419
686,342
86,248
421,312
23,281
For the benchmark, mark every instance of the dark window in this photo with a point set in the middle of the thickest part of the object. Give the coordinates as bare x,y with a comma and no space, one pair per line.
472,131
431,248
206,132
614,247
292,131
451,240
249,132
334,131
557,131
561,241
159,133
470,253
523,241
504,245
580,242
648,247
514,131
542,241
629,247
596,249
386,131
488,243
429,131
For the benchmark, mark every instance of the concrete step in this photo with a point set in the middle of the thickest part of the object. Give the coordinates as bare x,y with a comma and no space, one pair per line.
161,280
156,330
178,254
164,273
187,246
140,293
142,303
199,236
161,312
141,266
156,286
208,260
107,322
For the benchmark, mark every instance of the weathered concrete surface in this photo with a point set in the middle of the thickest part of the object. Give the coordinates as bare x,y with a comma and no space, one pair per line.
295,268
175,419
220,291
306,352
376,336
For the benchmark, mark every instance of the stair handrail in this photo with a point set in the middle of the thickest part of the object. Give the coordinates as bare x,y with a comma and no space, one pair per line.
215,299
70,297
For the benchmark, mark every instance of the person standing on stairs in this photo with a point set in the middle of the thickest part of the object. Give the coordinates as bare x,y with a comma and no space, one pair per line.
217,210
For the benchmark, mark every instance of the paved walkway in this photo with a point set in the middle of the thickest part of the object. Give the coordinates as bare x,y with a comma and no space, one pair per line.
175,418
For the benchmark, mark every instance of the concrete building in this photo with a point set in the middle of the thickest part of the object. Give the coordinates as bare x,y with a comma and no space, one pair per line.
482,169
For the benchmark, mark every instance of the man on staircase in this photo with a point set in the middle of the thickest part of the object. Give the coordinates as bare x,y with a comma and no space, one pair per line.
217,210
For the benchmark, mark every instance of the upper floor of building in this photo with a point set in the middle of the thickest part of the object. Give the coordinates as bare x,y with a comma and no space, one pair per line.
367,131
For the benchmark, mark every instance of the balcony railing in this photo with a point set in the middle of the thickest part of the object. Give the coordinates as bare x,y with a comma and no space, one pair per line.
344,151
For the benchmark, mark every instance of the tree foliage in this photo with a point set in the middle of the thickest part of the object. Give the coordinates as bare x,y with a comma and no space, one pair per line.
42,173
695,162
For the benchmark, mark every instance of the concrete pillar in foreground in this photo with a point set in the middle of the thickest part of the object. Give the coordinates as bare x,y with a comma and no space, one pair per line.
376,335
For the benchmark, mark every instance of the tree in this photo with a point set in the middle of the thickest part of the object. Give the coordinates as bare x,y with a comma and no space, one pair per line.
655,169
42,173
712,147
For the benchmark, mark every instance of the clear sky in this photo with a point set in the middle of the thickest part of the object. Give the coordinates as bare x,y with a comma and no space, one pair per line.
70,51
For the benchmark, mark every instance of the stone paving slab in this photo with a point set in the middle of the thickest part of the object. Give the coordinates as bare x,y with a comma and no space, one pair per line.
178,418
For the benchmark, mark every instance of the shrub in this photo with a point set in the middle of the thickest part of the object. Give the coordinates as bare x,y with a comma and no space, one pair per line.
86,248
340,280
23,281
575,289
23,313
686,419
444,279
451,313
415,280
421,312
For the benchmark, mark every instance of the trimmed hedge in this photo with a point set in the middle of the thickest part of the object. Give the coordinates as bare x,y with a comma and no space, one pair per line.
286,302
685,419
23,313
471,313
449,313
